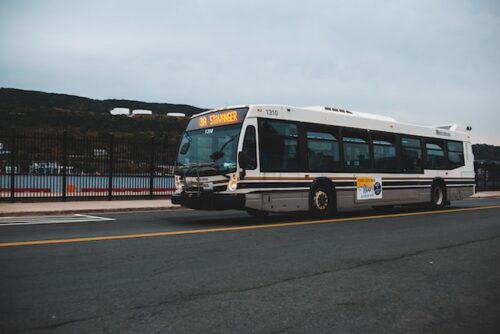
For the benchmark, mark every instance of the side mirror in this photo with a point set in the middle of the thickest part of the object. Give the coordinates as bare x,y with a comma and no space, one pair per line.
185,148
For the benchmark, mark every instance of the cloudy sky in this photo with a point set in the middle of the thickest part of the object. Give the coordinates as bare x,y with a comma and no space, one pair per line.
426,62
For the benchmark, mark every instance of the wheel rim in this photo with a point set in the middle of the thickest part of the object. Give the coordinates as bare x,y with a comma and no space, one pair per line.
438,195
320,200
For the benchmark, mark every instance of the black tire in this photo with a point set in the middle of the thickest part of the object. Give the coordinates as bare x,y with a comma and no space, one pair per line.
438,195
322,201
257,213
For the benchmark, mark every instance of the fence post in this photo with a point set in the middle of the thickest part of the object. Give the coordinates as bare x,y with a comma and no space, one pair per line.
110,172
12,166
476,181
152,167
64,162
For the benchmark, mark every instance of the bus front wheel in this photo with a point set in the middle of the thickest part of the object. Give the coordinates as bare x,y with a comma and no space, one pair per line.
322,201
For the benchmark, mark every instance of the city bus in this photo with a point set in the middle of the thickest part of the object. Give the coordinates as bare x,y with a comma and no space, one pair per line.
278,158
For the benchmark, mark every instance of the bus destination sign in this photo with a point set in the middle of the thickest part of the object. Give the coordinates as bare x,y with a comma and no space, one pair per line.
218,118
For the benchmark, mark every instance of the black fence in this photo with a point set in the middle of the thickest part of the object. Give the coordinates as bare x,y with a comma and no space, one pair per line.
60,166
487,175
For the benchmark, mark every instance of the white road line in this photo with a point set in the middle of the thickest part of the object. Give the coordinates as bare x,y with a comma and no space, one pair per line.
42,220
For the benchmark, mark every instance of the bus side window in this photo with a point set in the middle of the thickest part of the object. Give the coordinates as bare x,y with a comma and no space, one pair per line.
250,146
456,154
356,150
278,142
436,158
322,151
384,152
411,152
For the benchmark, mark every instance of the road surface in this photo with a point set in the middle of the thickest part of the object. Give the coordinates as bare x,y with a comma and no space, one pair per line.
407,270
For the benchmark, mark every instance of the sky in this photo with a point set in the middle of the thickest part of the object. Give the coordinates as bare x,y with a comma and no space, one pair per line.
425,62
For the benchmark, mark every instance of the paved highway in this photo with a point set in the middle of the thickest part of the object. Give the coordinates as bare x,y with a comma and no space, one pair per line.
181,271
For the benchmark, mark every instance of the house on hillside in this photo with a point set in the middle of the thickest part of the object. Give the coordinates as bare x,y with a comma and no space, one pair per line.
141,112
120,111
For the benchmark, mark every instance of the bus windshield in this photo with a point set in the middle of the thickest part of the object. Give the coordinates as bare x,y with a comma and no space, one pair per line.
210,142
213,148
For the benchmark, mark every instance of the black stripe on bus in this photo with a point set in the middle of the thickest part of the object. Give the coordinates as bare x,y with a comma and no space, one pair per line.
251,185
353,189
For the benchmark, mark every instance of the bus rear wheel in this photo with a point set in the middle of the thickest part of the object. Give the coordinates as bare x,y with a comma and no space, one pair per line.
322,201
438,196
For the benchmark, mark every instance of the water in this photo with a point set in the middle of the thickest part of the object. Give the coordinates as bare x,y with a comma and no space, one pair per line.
88,183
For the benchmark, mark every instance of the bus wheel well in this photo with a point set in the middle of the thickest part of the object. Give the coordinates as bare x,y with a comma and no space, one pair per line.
324,182
440,181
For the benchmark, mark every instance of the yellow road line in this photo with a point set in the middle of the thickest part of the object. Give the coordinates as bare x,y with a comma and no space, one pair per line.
236,228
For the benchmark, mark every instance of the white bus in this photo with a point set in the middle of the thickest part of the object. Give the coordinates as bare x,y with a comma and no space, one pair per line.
276,158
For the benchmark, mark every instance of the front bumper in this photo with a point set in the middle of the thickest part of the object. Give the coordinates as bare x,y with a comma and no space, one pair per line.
206,200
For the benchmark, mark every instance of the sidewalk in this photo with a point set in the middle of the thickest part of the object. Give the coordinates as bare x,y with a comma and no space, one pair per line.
46,208
486,194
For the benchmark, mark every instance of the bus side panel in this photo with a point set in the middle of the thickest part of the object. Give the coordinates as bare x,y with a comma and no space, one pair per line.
347,198
459,193
279,201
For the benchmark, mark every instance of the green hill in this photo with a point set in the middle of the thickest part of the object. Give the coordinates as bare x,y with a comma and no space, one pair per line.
49,113
486,152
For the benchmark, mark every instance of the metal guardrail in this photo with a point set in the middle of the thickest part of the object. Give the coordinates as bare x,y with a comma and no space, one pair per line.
61,166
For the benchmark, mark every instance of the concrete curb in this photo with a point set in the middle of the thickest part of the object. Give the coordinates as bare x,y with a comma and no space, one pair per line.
477,197
486,194
74,207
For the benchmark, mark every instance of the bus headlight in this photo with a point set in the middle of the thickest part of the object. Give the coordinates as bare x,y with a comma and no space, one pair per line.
233,183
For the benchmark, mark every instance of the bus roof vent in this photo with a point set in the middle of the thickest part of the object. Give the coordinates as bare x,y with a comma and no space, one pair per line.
320,108
353,113
453,127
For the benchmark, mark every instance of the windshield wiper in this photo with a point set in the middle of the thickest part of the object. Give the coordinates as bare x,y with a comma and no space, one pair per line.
219,153
196,165
199,169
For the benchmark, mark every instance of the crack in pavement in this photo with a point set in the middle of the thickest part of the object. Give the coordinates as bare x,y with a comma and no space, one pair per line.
64,323
193,297
316,274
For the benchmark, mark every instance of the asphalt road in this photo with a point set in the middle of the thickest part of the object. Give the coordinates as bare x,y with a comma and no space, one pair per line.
401,271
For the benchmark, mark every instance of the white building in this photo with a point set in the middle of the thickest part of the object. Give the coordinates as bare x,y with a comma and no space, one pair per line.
120,111
141,112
